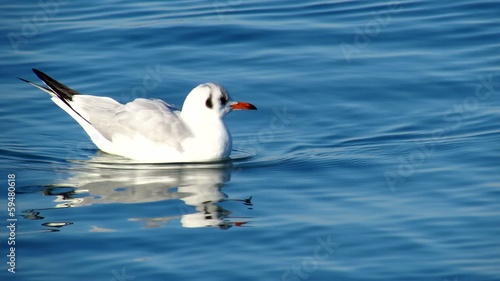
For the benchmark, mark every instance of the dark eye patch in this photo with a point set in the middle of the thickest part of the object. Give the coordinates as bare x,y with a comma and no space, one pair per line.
208,102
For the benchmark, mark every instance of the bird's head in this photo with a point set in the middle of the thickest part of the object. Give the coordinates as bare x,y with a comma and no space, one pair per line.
211,99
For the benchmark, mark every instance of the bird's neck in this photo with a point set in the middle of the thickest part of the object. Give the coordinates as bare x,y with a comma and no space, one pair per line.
211,138
207,127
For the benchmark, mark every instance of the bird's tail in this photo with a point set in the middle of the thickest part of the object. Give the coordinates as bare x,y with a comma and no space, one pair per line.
61,94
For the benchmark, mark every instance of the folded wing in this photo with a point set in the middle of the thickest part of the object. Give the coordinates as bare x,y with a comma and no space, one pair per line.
115,127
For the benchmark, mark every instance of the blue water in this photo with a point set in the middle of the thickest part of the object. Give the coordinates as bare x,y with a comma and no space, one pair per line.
373,156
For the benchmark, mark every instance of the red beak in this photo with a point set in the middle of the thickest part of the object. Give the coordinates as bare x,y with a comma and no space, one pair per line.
243,106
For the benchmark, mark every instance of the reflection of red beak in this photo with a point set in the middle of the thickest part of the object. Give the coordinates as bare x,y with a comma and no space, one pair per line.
240,223
243,105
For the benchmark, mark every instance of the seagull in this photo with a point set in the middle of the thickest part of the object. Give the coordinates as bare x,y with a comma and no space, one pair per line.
151,130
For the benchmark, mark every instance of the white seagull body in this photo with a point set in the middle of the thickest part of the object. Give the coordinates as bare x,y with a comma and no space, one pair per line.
151,130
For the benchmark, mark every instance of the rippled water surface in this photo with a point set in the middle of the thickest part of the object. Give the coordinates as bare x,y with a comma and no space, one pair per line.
373,156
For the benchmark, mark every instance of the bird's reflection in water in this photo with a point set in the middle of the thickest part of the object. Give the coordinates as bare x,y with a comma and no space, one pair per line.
196,186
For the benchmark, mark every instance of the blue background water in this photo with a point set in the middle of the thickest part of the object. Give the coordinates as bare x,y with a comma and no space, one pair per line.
373,155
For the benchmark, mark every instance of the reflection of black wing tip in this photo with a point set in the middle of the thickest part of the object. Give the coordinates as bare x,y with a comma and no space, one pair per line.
62,91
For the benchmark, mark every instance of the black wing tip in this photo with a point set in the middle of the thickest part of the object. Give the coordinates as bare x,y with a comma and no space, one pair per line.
37,72
41,75
62,91
22,79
